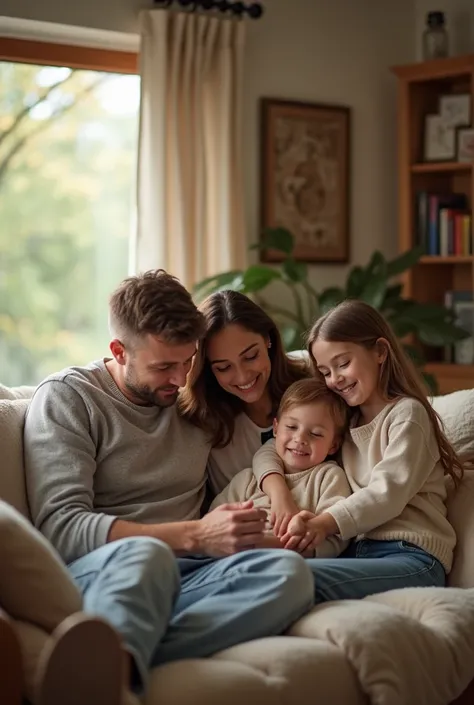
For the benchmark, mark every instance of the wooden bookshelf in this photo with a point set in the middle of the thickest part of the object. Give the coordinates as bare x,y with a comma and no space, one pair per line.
440,167
420,87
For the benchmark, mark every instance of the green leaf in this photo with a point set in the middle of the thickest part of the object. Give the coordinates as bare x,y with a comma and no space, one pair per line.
395,308
228,280
216,279
374,291
431,383
440,332
404,261
414,354
402,327
428,312
291,337
355,282
295,271
392,295
377,264
258,277
330,298
276,239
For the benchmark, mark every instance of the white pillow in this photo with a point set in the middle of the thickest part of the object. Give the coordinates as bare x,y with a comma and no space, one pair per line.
35,585
12,475
23,392
457,413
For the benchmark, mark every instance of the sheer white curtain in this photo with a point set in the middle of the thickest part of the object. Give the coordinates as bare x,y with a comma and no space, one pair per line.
190,192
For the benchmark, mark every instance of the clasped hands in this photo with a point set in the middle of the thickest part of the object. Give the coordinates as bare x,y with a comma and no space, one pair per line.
302,531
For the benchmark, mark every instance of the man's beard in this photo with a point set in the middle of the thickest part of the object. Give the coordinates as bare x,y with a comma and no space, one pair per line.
144,394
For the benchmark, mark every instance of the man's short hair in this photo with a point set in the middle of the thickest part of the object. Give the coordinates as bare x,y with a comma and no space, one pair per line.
154,303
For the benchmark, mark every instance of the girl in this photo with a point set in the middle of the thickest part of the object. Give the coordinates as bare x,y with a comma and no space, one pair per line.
395,456
233,391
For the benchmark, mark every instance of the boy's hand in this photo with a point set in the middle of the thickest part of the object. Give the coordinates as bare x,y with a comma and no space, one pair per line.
305,530
299,536
282,511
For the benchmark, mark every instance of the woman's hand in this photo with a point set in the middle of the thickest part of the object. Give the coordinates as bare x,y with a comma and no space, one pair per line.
283,509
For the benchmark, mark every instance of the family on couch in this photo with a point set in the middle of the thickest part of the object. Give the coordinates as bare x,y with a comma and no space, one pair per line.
116,460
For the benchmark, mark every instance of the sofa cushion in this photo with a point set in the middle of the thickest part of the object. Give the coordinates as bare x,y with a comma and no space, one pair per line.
23,392
413,646
282,670
457,413
461,516
35,585
12,478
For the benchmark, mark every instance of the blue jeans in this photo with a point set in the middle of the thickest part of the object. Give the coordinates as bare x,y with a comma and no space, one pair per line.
368,566
168,608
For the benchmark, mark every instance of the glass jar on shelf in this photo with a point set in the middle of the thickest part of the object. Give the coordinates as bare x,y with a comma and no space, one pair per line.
435,37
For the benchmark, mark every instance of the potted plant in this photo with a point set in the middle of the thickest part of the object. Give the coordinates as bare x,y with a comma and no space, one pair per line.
375,283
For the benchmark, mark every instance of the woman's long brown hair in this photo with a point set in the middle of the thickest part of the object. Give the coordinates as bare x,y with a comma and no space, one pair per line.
203,401
357,322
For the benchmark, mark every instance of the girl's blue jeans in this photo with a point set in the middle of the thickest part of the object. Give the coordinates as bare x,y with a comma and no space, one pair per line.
368,566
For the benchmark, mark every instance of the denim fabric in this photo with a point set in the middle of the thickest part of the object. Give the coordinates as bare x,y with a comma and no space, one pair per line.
368,567
168,608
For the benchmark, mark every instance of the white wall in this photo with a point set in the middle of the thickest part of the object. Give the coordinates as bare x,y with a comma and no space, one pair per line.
459,22
336,51
116,15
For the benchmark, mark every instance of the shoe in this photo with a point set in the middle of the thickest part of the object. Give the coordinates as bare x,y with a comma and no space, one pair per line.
83,664
11,664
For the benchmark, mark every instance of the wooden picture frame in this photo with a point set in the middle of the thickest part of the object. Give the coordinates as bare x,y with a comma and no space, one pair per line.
439,140
465,144
305,172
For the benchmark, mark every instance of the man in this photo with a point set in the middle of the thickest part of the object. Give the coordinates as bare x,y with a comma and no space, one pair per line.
116,479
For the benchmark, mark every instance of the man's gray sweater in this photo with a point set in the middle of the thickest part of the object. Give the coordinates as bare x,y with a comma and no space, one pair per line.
92,456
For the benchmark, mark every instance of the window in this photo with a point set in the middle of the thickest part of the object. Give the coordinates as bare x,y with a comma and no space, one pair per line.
68,149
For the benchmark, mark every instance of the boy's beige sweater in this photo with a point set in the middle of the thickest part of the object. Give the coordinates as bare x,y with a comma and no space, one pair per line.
315,490
399,491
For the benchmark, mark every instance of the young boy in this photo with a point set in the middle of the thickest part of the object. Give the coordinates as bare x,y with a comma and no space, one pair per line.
310,426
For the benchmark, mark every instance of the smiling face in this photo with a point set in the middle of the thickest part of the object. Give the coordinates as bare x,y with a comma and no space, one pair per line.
353,372
304,436
151,372
240,362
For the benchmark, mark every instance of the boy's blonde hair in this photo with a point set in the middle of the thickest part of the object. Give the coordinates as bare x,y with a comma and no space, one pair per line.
314,391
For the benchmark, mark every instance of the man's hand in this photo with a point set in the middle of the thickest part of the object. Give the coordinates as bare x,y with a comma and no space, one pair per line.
229,529
283,508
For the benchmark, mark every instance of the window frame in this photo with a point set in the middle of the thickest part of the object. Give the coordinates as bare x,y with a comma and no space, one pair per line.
28,51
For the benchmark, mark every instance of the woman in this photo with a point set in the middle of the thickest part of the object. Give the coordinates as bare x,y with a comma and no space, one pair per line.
237,380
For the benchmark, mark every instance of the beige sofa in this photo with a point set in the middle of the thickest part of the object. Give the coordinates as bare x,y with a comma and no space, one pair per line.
404,647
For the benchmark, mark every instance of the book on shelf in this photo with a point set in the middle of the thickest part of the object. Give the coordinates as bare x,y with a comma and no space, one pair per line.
443,223
462,304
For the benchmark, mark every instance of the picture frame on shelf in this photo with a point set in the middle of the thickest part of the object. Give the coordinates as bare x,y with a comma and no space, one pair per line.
465,147
463,307
455,110
439,140
305,174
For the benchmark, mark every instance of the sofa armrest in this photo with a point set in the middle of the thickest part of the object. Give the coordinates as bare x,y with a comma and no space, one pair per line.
10,663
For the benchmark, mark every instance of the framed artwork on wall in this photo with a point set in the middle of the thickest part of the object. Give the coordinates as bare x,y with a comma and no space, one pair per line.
305,172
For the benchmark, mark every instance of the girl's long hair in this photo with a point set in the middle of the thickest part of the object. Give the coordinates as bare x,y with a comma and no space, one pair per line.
357,322
203,401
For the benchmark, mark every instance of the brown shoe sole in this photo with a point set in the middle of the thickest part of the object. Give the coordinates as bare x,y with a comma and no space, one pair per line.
11,675
82,665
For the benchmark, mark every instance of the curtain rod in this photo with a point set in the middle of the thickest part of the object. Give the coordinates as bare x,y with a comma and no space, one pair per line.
254,10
